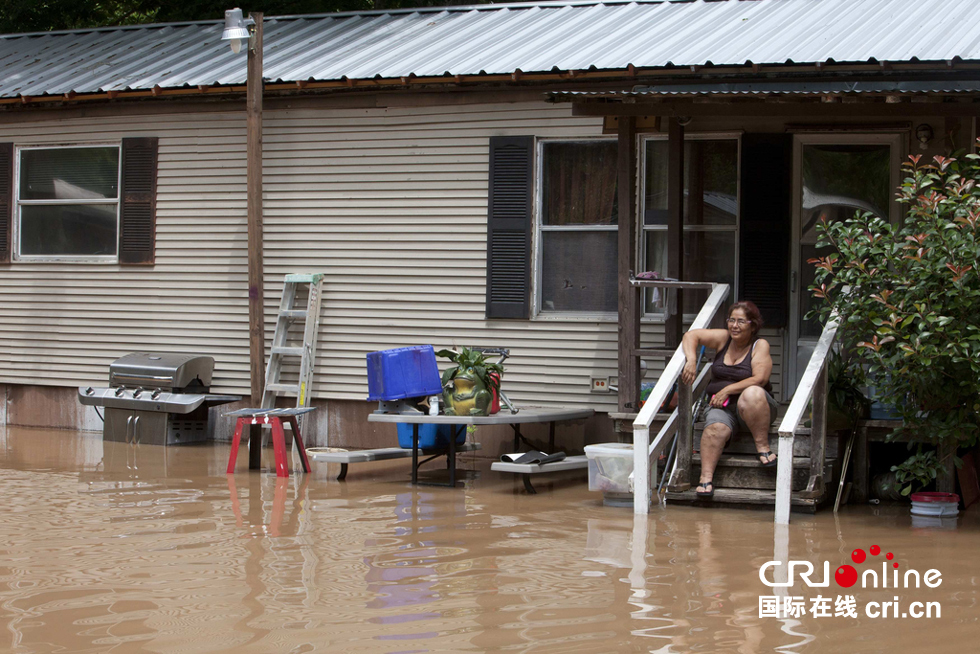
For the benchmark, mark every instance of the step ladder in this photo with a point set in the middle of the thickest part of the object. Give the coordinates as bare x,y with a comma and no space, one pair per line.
305,351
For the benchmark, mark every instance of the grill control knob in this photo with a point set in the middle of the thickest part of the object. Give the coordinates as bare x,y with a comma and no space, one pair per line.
89,391
119,391
155,394
137,392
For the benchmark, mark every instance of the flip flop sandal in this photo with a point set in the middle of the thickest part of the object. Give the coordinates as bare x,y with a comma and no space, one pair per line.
765,455
709,490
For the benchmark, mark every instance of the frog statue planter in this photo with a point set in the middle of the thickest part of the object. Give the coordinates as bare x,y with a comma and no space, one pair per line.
468,386
466,395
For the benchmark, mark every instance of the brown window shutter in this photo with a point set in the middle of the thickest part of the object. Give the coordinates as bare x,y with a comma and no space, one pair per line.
137,224
6,199
509,227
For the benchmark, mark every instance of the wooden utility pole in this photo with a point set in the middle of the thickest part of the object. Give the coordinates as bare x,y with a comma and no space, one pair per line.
256,320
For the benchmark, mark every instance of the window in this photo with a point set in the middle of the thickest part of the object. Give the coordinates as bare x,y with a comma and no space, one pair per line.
68,203
578,242
710,215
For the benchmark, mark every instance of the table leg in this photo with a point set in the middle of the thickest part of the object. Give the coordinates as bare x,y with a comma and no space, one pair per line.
236,442
279,444
452,460
415,454
298,442
517,437
527,485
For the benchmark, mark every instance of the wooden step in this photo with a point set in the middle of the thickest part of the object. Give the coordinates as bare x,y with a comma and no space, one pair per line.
742,443
741,497
744,472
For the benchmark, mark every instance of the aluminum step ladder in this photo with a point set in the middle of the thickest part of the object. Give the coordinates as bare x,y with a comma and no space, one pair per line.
306,351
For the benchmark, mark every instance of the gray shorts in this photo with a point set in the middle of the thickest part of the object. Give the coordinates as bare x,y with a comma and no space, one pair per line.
729,417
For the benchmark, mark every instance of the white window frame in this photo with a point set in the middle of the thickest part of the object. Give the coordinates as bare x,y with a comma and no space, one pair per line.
538,312
644,228
18,203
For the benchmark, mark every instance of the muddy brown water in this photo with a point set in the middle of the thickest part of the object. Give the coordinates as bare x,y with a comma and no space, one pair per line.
121,549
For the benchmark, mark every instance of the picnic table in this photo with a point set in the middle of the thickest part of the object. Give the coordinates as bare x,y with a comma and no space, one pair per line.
525,415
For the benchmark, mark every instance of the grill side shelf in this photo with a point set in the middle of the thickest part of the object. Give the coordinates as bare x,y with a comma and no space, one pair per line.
164,402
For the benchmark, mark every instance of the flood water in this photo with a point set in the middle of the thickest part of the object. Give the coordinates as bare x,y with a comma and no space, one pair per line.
151,549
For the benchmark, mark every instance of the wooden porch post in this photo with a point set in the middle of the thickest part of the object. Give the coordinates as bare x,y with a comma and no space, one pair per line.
675,224
628,296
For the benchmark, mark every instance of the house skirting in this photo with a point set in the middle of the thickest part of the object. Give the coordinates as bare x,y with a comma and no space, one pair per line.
337,423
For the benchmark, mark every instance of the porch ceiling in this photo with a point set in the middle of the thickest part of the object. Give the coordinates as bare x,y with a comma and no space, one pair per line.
790,97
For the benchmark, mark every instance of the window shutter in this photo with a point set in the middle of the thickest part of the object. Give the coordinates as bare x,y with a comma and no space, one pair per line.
509,227
766,224
138,195
6,199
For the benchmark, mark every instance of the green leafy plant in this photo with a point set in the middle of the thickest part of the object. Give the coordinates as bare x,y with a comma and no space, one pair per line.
907,296
474,360
918,470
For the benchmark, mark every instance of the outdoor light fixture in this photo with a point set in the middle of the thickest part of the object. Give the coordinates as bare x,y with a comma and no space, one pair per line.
924,133
236,28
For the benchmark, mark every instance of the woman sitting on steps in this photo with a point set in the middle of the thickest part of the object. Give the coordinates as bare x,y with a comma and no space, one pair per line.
740,392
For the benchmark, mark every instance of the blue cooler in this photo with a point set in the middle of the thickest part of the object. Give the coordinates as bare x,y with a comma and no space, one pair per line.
430,436
402,373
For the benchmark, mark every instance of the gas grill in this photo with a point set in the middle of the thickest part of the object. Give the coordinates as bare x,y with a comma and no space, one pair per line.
156,399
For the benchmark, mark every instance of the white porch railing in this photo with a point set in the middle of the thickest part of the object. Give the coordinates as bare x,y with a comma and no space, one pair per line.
684,424
672,424
813,383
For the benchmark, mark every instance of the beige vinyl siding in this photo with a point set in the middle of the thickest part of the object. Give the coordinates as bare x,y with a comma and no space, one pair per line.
62,324
389,203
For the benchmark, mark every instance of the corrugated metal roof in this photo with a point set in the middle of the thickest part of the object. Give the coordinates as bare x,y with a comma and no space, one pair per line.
789,87
496,39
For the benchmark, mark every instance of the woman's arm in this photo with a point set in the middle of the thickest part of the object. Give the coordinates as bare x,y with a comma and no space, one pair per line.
712,338
761,370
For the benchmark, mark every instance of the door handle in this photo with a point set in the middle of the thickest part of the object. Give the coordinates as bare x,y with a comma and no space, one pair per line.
136,430
129,425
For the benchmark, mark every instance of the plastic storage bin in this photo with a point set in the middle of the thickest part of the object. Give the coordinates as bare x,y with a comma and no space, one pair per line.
610,467
403,372
430,436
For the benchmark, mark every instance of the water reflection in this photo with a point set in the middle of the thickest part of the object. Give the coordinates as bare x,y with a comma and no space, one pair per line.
156,549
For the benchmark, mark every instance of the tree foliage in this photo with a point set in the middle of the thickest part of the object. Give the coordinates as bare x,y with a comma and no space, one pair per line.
46,15
908,299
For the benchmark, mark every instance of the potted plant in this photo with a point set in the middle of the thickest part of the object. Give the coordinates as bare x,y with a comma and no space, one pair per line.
471,384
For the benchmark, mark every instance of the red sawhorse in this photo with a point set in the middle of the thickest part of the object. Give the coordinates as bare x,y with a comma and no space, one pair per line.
274,418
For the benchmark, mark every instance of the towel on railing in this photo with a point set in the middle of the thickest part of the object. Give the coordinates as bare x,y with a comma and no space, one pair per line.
657,294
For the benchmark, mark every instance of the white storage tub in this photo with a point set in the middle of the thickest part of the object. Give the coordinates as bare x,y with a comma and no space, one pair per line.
935,504
610,467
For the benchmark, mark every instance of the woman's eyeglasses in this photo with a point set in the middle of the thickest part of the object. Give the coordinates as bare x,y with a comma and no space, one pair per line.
741,322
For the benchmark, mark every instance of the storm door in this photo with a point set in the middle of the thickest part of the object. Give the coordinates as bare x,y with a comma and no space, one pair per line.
835,175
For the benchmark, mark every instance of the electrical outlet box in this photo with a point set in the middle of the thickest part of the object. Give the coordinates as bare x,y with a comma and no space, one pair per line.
600,385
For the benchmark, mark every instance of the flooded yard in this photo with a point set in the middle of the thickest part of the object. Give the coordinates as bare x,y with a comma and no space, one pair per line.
152,549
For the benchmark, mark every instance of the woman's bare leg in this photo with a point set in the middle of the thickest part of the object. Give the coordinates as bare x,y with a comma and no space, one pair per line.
753,407
713,440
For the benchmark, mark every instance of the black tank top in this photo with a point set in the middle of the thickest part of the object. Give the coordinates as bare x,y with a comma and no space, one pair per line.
723,375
